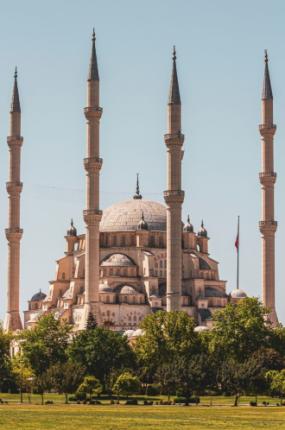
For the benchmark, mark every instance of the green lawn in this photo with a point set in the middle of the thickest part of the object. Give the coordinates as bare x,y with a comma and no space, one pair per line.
113,417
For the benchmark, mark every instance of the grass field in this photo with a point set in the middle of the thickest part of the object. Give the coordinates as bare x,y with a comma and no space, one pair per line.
83,417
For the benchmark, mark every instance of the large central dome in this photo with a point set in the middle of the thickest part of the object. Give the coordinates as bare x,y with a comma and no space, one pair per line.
125,216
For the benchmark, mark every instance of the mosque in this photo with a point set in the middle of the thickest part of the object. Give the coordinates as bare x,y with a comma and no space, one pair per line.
137,256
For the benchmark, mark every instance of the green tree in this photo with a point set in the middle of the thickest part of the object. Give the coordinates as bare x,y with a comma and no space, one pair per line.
66,377
46,344
277,382
239,330
91,321
103,353
90,385
6,378
126,384
168,340
23,374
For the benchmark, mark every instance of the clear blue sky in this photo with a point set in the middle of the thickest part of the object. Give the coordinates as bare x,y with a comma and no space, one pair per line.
220,64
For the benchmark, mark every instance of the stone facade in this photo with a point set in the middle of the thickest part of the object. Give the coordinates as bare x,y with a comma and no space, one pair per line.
133,271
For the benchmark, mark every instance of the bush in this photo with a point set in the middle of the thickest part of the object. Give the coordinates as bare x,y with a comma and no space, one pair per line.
252,403
48,402
72,398
148,402
180,400
131,402
79,395
153,390
194,400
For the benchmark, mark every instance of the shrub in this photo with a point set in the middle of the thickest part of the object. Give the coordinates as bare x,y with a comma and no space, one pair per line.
131,402
153,390
49,402
252,403
180,400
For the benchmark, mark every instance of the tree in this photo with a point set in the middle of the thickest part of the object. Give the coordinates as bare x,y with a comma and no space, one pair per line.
103,353
91,321
239,330
277,382
23,374
5,361
46,344
41,384
90,385
126,384
168,343
66,377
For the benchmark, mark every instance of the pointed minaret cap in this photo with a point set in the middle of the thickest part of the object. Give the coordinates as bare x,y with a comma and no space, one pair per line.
15,105
138,195
267,90
93,67
174,94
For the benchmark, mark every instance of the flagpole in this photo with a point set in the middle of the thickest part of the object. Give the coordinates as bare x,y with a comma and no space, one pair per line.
238,235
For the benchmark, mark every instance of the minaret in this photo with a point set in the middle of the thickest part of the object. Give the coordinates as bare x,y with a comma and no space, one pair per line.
92,164
267,177
174,196
14,232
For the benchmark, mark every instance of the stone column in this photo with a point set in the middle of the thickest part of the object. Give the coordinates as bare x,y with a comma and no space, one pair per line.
14,232
267,178
92,213
174,196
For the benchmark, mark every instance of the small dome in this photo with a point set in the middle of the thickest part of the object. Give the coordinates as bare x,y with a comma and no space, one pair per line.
104,288
127,289
203,232
119,260
129,333
72,230
200,328
38,297
188,227
142,225
238,294
138,332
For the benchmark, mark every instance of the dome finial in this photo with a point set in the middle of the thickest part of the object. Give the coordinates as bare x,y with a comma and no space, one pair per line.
142,225
265,56
93,66
188,227
138,194
174,53
203,232
72,230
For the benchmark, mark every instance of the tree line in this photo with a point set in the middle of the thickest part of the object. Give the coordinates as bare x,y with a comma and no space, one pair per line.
240,355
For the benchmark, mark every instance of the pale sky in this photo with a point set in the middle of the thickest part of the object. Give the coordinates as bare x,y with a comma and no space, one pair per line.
220,46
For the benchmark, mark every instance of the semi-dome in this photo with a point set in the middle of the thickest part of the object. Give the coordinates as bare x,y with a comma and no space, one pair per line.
127,289
117,260
38,296
104,288
126,216
238,294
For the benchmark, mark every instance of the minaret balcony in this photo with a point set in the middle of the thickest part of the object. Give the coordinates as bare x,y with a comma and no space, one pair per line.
92,216
14,234
267,177
268,226
93,112
173,196
92,164
15,141
174,139
14,188
267,129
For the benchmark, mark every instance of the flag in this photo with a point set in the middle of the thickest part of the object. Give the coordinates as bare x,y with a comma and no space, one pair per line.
237,238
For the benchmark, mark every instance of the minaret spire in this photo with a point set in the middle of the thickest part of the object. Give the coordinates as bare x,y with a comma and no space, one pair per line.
15,105
267,90
93,67
92,213
267,177
174,93
14,232
174,196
